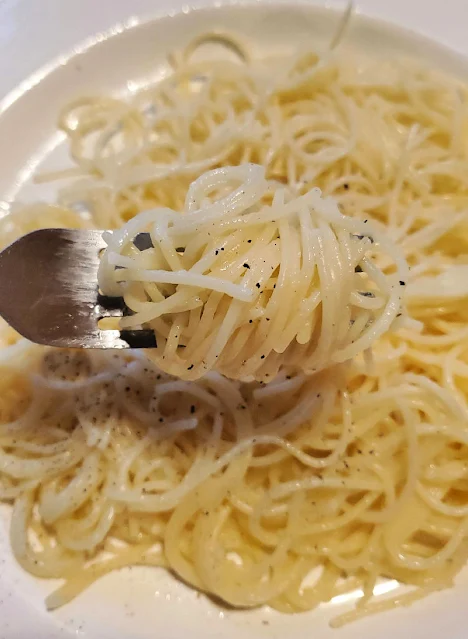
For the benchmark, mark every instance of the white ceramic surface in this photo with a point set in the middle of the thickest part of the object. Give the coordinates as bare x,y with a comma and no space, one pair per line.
54,50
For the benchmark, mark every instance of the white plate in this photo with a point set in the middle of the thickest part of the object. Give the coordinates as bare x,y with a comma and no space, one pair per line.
142,603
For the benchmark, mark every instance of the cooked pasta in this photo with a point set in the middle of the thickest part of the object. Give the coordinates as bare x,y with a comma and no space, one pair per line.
245,287
290,493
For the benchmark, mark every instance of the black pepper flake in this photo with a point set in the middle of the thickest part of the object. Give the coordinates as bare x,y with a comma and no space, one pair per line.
189,368
398,314
346,186
402,283
192,409
358,269
216,252
366,293
249,241
222,248
250,321
361,237
262,357
245,265
288,376
257,284
161,420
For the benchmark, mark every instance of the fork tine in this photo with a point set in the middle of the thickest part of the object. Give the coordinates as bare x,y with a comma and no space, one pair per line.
102,311
143,338
125,339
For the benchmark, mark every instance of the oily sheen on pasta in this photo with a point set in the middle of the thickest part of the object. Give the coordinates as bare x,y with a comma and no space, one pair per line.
247,287
307,488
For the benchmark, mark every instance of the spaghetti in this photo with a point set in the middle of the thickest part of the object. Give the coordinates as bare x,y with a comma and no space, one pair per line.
289,493
246,288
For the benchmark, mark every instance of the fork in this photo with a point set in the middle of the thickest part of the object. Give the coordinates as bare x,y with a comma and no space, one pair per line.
49,291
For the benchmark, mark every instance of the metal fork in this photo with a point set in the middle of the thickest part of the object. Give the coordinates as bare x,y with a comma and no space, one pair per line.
49,291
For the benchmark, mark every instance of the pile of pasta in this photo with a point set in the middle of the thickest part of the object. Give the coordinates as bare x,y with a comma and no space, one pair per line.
310,487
